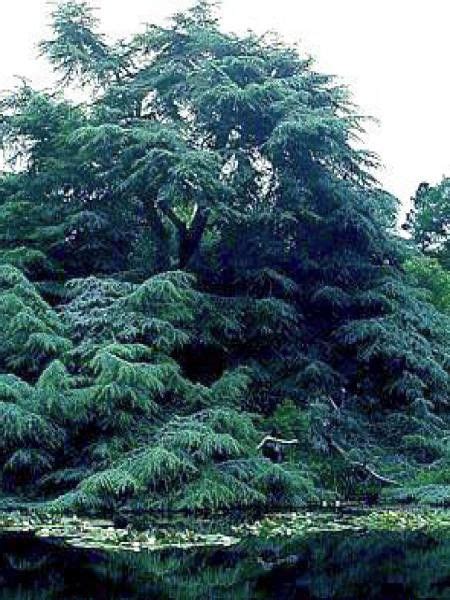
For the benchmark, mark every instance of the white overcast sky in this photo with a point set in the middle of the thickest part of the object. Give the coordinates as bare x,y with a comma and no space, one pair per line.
393,54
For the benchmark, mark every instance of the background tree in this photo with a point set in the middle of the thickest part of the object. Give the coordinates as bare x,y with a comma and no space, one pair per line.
429,219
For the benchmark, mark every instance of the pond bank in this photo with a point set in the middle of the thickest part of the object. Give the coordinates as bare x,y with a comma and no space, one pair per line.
149,533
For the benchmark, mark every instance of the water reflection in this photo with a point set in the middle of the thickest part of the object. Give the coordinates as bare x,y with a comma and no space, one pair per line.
329,565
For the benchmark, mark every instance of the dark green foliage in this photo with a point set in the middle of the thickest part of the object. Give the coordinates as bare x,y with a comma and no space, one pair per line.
192,258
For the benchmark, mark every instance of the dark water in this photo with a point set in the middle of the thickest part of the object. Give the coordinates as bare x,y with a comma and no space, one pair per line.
331,565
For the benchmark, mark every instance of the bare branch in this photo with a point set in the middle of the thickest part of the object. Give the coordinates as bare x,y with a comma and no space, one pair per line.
360,465
270,438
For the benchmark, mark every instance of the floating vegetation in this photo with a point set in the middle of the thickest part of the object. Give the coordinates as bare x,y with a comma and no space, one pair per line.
104,535
294,524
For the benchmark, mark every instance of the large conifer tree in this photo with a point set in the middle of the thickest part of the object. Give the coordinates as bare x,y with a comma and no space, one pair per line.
193,256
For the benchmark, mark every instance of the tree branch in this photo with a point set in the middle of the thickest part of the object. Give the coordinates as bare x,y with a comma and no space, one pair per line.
190,238
172,216
360,465
270,438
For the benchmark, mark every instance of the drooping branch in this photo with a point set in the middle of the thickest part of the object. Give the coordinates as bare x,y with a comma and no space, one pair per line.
360,465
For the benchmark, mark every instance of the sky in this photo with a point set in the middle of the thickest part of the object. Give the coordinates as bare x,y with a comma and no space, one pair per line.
393,55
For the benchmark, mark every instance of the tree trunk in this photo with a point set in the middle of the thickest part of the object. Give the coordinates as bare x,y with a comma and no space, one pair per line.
190,238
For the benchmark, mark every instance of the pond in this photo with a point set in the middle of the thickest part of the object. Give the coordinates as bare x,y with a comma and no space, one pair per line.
271,560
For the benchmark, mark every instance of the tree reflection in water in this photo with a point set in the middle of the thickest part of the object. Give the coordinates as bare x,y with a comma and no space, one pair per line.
330,565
